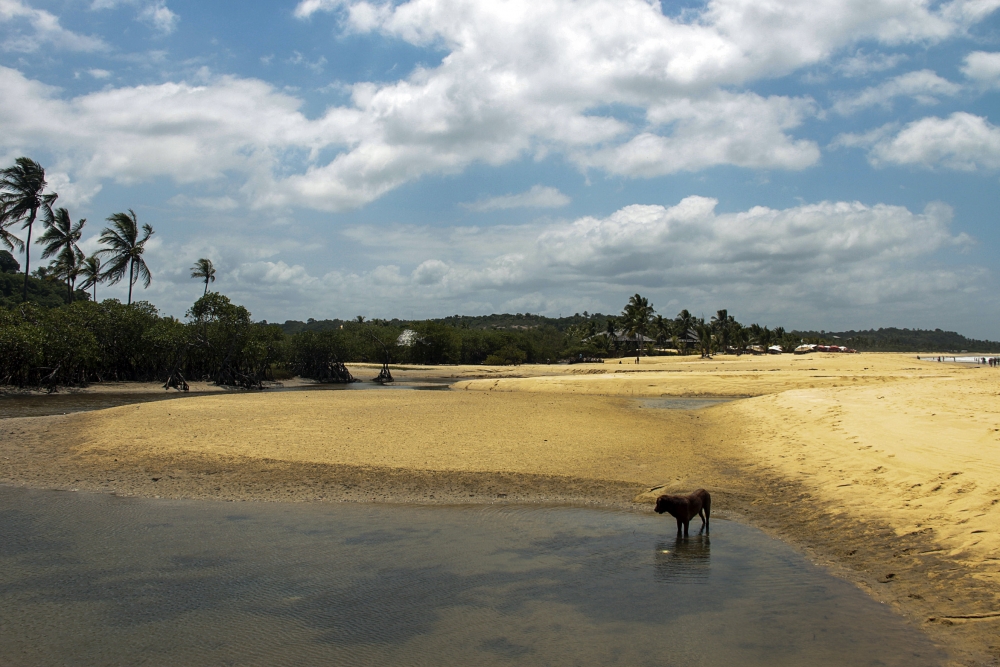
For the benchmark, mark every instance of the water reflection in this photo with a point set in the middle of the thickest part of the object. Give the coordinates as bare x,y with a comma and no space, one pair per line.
684,560
98,580
66,402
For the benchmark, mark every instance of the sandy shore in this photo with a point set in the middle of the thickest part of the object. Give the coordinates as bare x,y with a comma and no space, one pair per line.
883,467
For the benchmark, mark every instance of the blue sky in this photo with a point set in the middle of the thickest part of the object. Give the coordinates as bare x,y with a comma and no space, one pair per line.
827,164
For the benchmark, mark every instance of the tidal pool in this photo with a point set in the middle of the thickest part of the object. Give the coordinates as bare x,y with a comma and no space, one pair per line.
88,579
68,401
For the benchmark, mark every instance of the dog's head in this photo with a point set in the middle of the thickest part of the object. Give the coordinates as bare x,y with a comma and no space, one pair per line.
663,504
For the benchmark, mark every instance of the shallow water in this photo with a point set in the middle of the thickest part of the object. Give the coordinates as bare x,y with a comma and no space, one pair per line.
44,405
681,402
100,580
65,402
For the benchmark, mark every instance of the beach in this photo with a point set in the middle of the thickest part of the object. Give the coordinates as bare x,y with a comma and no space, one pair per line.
883,467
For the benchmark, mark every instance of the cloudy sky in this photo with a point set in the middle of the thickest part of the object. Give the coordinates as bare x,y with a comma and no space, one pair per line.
829,164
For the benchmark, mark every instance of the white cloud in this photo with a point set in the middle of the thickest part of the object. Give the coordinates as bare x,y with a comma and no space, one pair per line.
983,68
538,196
924,86
99,73
154,12
160,17
223,203
298,59
189,133
961,141
818,261
746,130
612,85
861,63
307,8
71,194
45,30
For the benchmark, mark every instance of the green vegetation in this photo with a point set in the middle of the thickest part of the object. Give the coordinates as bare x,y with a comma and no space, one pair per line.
84,342
902,340
22,188
45,291
53,341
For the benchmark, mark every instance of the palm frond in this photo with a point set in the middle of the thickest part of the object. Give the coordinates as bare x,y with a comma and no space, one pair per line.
125,248
203,269
90,269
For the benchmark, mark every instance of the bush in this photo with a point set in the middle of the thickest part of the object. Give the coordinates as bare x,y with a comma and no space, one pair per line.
508,356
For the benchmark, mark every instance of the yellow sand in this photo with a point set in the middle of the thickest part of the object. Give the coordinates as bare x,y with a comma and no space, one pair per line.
720,376
586,436
888,437
919,454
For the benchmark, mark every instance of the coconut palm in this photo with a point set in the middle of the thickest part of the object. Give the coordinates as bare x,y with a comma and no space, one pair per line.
67,267
663,329
125,250
636,317
22,190
60,238
11,241
90,270
205,270
704,332
683,323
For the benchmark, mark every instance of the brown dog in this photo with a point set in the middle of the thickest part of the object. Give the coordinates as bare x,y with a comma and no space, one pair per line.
685,508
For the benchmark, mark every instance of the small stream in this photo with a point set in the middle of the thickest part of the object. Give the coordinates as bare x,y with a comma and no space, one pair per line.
67,401
89,579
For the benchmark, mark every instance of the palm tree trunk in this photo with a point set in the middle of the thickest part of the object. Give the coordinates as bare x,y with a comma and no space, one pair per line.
206,287
27,255
131,267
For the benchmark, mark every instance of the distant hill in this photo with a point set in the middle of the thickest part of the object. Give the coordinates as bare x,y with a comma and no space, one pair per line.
902,340
874,340
48,293
516,321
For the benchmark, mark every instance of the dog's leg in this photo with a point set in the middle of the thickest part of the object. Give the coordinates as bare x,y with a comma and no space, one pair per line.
708,511
704,522
679,524
686,524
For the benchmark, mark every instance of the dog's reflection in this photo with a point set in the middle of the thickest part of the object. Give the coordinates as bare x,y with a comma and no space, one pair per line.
684,560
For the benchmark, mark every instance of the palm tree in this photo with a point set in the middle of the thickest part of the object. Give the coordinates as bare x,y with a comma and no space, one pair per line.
704,332
67,266
741,338
90,269
12,242
724,325
60,238
662,328
21,188
125,249
683,323
636,318
204,269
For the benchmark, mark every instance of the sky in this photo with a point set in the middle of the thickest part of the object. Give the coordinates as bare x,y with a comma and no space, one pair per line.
830,164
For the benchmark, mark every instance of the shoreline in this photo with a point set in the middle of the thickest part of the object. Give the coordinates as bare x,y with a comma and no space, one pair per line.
774,462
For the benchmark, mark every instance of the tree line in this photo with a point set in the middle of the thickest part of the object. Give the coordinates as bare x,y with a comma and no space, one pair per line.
85,341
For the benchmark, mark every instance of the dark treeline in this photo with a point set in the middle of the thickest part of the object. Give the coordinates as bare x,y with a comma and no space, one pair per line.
83,341
904,340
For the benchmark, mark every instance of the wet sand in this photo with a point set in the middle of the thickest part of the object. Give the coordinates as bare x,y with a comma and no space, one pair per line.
880,466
